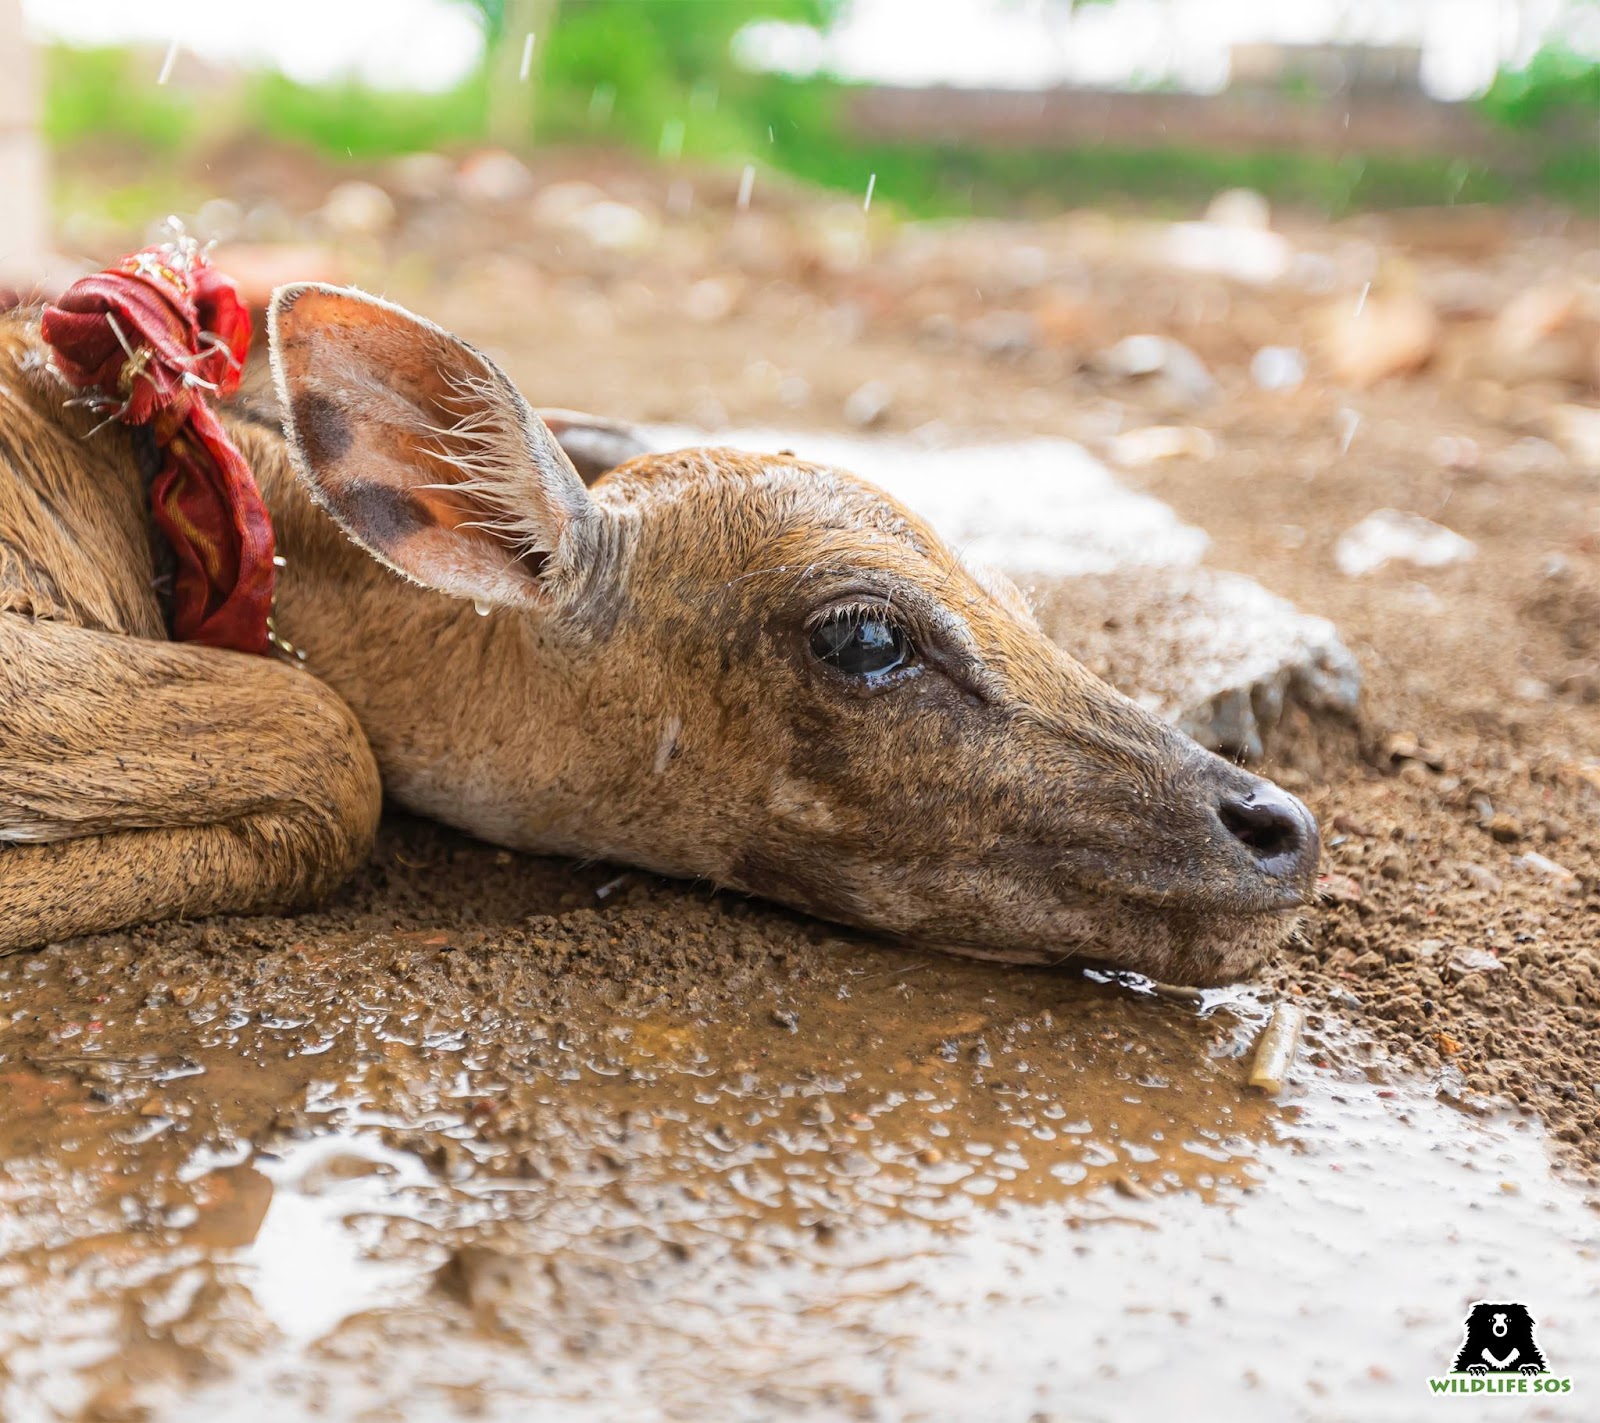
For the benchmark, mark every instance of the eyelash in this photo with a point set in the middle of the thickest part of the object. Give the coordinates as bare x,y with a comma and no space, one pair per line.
858,613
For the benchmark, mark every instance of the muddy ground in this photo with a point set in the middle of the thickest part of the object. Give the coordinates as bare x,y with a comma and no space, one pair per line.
602,1055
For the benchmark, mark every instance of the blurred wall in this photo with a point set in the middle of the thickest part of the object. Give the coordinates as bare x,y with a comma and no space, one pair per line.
23,213
1237,120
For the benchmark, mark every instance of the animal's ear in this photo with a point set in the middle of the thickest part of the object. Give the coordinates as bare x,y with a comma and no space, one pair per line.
423,451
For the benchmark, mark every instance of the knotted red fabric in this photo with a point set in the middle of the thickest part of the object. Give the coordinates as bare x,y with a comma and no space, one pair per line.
152,338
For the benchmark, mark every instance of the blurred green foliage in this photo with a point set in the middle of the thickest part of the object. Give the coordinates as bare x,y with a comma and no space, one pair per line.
1554,103
95,93
1555,87
623,72
351,120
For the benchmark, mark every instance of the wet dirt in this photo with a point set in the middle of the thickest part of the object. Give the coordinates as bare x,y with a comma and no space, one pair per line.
488,1133
663,1154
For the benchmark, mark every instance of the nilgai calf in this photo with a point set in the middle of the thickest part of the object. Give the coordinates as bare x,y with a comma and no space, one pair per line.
746,670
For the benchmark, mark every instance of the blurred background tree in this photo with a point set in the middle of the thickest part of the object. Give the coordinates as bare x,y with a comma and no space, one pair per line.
625,67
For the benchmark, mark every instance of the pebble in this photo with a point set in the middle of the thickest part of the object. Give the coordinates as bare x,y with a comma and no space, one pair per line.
1369,339
1577,430
1405,747
1504,828
1480,877
868,404
493,176
423,177
1138,448
1465,961
1182,374
358,209
1278,368
1390,535
711,300
1539,864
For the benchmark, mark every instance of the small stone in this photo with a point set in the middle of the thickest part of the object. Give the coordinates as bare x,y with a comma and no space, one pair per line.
1405,747
1538,336
1138,448
1376,336
711,300
615,227
1182,374
358,209
493,176
1577,430
1538,864
1389,535
423,177
1241,208
1474,961
1004,333
786,1018
1504,828
868,404
1278,368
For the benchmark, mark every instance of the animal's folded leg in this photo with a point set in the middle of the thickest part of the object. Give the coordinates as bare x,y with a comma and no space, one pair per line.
141,780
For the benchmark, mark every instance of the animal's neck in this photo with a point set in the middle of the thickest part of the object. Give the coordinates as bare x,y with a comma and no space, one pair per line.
444,694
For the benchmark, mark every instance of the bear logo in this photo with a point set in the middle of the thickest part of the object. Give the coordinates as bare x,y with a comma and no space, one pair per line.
1498,1339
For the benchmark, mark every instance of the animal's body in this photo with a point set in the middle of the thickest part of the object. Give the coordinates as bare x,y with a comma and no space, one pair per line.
743,669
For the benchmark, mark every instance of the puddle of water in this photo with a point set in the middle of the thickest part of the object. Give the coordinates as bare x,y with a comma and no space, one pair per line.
308,1267
878,1185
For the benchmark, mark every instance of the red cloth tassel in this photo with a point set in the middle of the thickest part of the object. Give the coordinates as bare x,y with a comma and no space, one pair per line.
152,337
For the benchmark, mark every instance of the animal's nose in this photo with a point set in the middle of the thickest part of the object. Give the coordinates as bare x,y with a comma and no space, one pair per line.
1274,827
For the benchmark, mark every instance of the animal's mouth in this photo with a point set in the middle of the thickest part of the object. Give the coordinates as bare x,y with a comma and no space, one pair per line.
1199,901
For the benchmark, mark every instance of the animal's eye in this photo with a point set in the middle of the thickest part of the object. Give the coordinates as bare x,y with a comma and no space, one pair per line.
861,642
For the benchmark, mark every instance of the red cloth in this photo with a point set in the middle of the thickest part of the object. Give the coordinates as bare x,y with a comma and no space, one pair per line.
187,332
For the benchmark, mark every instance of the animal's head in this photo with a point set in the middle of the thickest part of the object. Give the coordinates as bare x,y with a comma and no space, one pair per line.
785,682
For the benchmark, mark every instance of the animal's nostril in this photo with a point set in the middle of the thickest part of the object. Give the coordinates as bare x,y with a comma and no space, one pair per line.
1273,826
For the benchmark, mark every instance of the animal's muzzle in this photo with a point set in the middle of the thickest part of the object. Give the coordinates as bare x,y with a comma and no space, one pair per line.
1276,831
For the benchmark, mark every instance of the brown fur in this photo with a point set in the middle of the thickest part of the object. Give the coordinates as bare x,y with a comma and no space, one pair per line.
140,778
641,689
